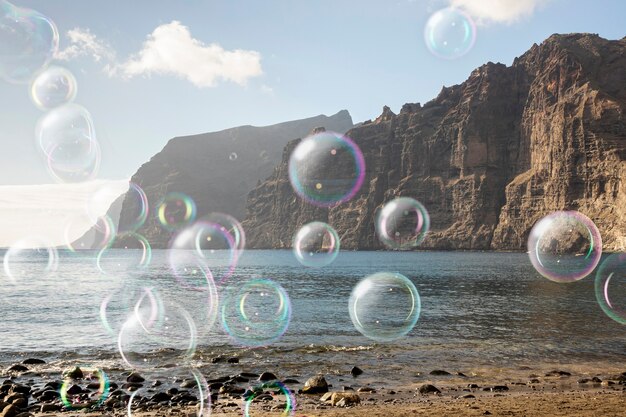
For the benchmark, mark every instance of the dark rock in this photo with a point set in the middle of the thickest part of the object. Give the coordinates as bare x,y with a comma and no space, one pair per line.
33,361
461,374
9,411
233,360
161,397
74,390
18,368
135,377
267,376
75,373
439,372
428,389
291,381
467,396
558,373
156,383
366,389
315,385
217,360
50,408
20,402
249,375
473,386
356,371
499,388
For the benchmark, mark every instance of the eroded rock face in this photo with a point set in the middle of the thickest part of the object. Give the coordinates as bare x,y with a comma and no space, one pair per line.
488,157
217,169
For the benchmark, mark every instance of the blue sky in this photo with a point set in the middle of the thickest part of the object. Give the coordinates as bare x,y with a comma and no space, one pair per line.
313,57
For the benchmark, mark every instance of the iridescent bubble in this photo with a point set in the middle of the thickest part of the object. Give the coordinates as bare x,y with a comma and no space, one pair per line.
136,209
53,87
565,246
402,223
92,377
203,243
316,245
119,305
256,313
30,258
232,156
384,306
450,33
326,169
103,231
230,225
28,42
145,343
278,391
67,139
176,210
610,287
136,255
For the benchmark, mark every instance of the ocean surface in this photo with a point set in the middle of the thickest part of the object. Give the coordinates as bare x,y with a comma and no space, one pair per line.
478,310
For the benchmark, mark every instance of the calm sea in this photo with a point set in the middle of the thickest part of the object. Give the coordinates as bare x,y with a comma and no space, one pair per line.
478,310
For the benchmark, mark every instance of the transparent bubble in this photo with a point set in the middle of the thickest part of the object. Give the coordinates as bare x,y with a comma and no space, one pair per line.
86,398
30,258
136,209
565,246
316,245
121,304
136,256
176,210
450,33
53,87
198,245
384,306
145,342
232,156
232,226
68,142
326,169
103,231
256,313
28,42
254,407
402,223
610,287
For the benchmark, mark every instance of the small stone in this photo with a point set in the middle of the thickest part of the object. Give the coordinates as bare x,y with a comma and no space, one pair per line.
461,374
366,389
596,380
356,371
50,408
499,388
472,386
33,361
326,397
18,368
135,377
233,360
9,411
440,372
161,397
217,360
74,390
267,376
291,381
315,385
467,396
75,373
487,413
428,389
344,399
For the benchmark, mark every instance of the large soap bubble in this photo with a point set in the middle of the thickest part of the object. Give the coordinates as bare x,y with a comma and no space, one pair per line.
67,139
53,87
384,306
316,244
326,169
402,223
175,211
565,246
28,42
449,33
256,313
136,209
610,287
136,256
30,258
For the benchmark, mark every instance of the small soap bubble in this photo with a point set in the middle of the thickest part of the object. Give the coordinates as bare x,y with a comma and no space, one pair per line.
30,259
610,286
232,156
316,245
565,246
53,87
136,209
384,306
254,406
67,140
93,378
256,313
326,169
136,256
28,42
402,223
119,304
175,211
450,33
103,231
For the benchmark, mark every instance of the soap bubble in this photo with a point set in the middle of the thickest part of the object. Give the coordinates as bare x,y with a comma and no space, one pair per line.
565,246
120,304
402,223
232,156
450,33
256,313
136,255
273,388
384,306
316,244
53,87
103,231
200,244
28,42
30,258
610,287
146,343
230,225
85,399
136,209
326,169
68,141
176,210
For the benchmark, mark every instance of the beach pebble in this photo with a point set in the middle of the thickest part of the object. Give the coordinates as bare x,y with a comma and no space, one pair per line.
440,372
366,389
18,368
267,376
356,371
233,360
467,396
9,411
249,375
344,399
135,377
33,361
20,402
558,373
161,397
428,389
472,386
499,388
315,385
326,397
291,381
50,408
75,373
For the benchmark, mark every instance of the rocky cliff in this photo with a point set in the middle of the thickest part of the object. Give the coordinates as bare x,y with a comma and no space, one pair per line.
216,169
487,157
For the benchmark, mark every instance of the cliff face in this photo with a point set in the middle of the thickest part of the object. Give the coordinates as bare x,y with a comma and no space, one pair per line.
216,169
487,158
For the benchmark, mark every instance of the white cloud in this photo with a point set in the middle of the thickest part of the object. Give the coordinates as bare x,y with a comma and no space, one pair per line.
85,43
171,50
499,11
